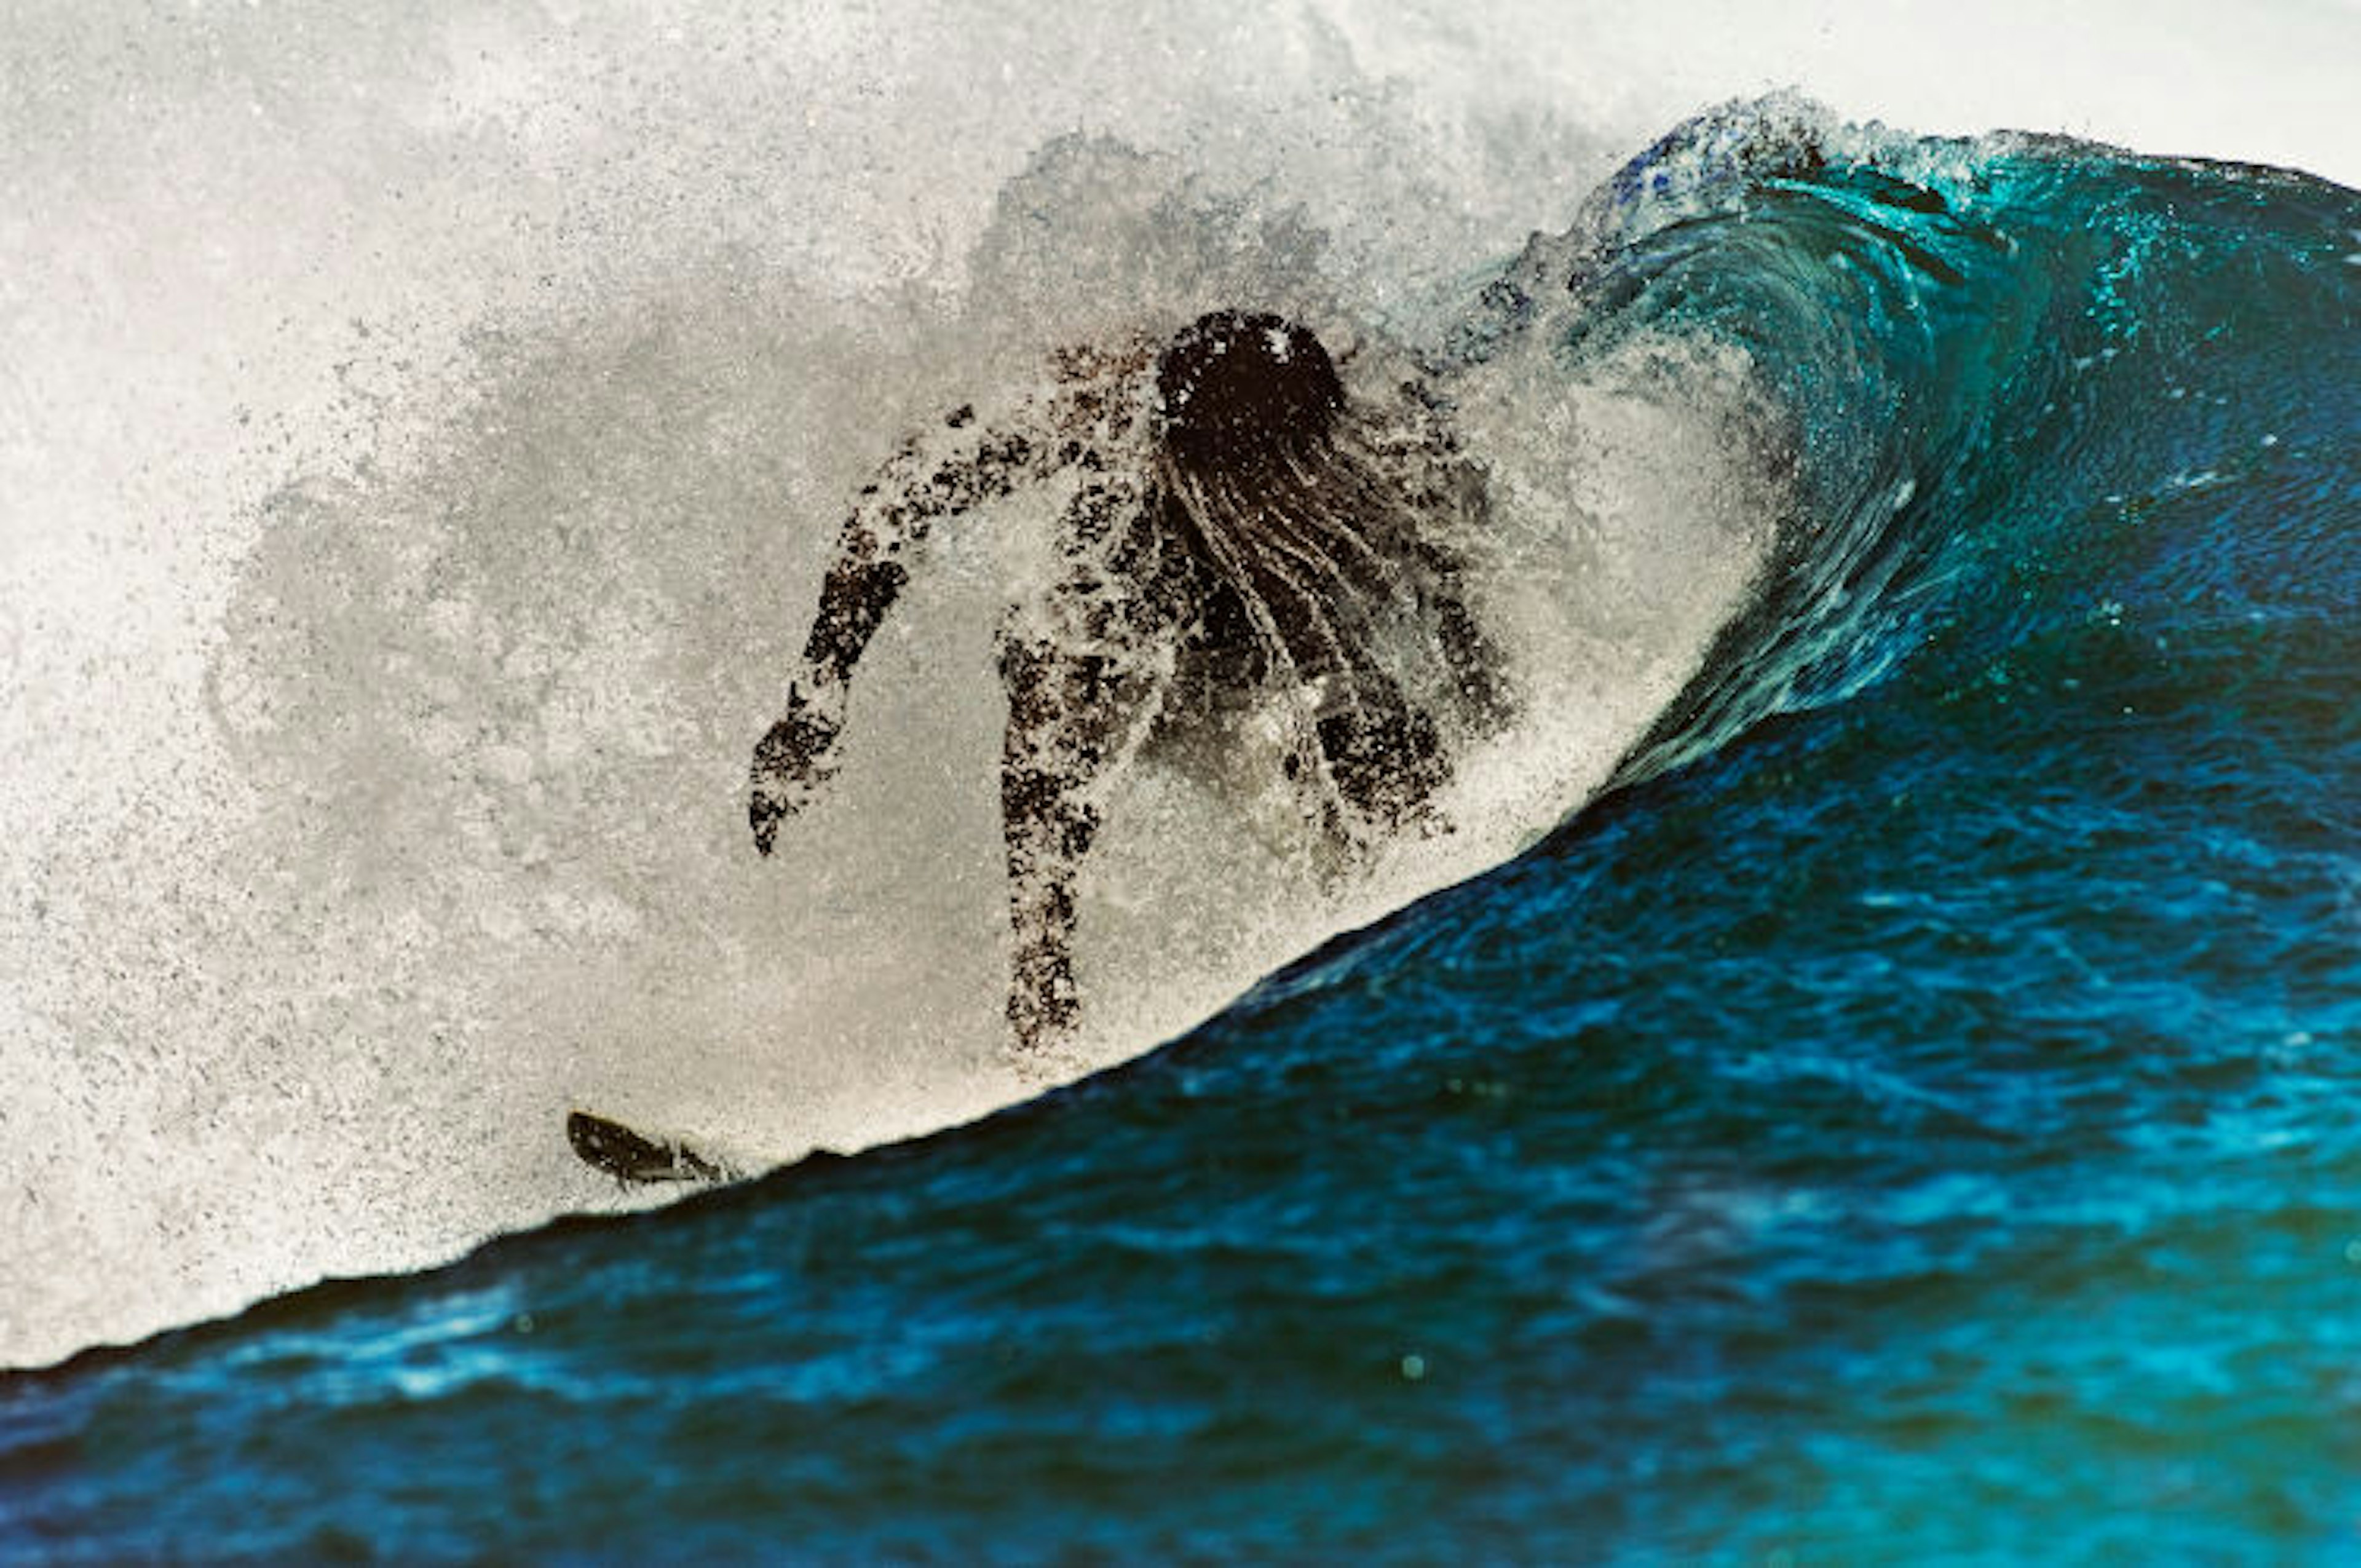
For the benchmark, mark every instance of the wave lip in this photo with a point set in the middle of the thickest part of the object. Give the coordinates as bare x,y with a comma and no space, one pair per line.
1959,333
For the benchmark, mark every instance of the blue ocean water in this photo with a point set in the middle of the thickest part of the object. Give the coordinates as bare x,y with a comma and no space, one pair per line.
1906,1115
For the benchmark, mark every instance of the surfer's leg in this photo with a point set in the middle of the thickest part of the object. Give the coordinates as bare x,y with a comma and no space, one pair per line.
1383,757
1075,713
1484,702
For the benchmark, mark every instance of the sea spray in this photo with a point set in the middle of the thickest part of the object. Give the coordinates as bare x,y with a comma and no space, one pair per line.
394,811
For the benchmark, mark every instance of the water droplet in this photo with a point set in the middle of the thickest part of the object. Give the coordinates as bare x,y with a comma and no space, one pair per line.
1413,1367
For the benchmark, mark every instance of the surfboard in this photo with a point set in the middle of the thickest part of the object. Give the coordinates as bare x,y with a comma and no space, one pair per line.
634,1158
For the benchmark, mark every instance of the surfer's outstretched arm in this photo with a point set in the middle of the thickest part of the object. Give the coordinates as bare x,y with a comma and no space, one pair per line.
1085,675
959,467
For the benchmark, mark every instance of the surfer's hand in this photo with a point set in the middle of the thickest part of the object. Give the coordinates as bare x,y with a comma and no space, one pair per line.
793,761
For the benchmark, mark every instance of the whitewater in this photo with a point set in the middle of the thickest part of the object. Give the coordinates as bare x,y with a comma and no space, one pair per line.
383,689
423,441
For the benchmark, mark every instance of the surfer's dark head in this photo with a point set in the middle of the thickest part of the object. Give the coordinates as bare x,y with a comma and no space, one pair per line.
1239,387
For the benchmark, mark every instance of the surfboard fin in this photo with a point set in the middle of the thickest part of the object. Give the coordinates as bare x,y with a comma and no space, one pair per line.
635,1160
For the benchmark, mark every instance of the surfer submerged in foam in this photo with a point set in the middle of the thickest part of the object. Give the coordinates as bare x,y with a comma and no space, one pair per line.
1247,536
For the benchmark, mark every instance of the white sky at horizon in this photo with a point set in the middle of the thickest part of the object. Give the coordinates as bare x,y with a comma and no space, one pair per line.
2275,82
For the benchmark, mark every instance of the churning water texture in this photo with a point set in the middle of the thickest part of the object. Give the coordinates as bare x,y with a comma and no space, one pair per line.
1908,1113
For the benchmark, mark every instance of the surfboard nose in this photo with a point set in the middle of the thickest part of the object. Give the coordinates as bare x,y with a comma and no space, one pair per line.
1240,387
630,1158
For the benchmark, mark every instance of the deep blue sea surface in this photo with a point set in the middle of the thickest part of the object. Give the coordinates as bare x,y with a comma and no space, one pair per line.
1910,1115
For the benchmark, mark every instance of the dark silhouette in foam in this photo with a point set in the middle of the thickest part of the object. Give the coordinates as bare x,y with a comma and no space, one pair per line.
1245,531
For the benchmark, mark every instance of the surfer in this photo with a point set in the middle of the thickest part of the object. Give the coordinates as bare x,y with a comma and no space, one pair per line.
1241,529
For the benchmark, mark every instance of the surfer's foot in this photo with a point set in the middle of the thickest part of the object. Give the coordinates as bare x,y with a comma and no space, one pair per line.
1044,1004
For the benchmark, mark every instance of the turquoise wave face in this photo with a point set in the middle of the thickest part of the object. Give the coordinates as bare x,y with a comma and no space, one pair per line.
1998,358
1910,1115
